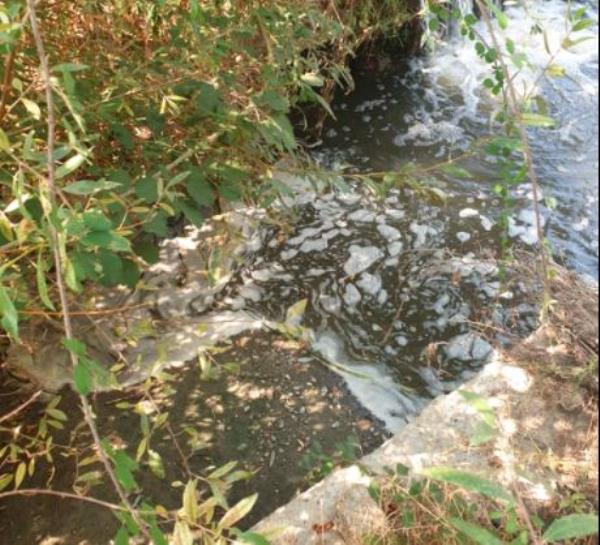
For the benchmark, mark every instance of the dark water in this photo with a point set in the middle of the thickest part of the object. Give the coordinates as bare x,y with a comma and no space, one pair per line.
431,109
396,289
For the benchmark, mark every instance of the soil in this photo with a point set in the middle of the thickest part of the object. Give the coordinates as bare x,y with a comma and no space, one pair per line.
269,412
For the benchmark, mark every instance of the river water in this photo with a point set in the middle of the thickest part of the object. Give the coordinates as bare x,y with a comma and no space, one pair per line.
395,287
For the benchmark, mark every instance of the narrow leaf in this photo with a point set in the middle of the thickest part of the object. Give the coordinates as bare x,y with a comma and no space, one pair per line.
476,533
238,511
571,527
470,482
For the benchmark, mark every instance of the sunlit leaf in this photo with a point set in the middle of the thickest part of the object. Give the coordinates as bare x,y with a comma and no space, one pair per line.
89,187
70,166
20,474
10,317
313,79
537,120
238,511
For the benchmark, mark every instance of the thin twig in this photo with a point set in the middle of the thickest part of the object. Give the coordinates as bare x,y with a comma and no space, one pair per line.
6,83
512,104
49,204
22,406
184,461
524,514
64,495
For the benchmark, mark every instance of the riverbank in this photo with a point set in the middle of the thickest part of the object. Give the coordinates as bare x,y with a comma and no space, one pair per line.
539,403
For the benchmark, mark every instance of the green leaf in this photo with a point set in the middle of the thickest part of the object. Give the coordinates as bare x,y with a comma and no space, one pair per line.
69,166
313,79
32,108
42,286
157,224
476,533
273,100
158,538
470,482
455,171
510,46
537,120
124,467
199,189
147,189
568,42
571,527
232,367
112,268
122,537
108,240
208,101
10,317
123,135
556,71
182,535
5,480
190,210
238,511
4,141
82,378
500,17
294,313
156,464
147,250
483,434
96,221
75,345
120,176
130,273
69,67
252,538
190,501
230,190
88,187
57,414
582,25
481,405
222,471
20,474
434,24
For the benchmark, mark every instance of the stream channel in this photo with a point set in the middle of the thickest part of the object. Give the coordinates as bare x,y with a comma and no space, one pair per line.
394,286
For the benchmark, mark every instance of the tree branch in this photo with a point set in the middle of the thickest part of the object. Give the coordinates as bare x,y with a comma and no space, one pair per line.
513,106
17,410
49,203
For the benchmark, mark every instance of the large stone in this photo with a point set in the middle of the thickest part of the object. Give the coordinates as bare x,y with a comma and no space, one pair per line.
468,347
361,258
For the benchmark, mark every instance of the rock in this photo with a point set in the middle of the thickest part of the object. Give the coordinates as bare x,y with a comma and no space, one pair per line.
351,295
361,258
388,232
362,216
358,518
395,248
317,245
468,347
468,213
369,283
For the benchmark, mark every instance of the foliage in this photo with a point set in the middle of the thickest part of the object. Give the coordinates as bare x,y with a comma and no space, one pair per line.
454,507
164,109
144,115
517,114
319,464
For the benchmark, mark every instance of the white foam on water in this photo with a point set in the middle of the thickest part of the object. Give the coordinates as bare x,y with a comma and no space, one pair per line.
371,384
